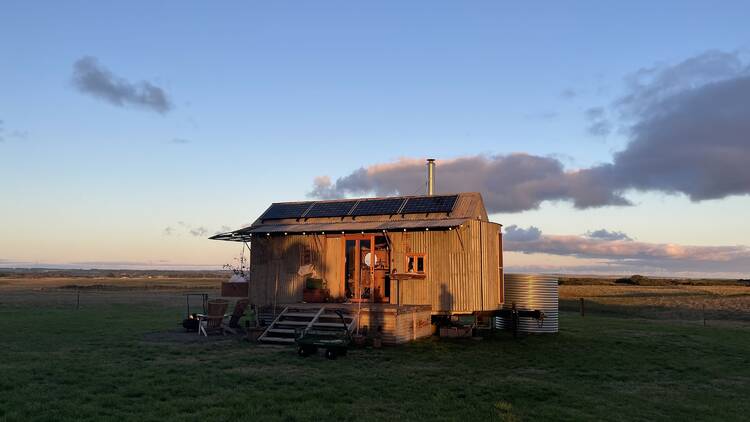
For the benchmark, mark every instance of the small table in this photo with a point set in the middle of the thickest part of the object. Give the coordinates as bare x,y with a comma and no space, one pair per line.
398,277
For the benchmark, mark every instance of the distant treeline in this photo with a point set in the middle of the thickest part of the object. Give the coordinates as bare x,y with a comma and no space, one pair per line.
57,273
640,280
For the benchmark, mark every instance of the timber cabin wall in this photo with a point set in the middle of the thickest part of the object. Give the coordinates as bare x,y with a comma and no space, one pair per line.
463,273
464,265
280,257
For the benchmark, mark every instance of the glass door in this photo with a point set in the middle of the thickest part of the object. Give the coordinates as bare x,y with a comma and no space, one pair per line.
351,276
366,268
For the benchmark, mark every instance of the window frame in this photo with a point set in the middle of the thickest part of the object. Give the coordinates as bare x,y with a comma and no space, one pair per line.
416,256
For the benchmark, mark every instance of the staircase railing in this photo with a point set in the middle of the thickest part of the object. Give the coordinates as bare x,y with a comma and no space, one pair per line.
278,318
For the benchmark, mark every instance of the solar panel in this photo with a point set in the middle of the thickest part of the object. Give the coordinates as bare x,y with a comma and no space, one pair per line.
378,206
330,209
429,204
286,210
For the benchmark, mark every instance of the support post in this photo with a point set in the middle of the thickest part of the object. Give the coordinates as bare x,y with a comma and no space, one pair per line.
583,308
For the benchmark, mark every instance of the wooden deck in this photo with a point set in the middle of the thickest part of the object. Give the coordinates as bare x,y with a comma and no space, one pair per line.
396,324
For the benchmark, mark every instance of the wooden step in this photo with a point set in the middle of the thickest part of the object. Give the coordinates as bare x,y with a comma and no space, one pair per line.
300,314
284,322
335,318
322,333
287,340
329,324
281,330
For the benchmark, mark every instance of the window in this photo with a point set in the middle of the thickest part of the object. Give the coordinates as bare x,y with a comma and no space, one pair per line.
415,263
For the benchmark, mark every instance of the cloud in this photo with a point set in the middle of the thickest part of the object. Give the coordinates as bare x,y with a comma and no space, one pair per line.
648,88
515,233
544,115
689,133
603,234
599,124
509,183
199,231
601,127
185,228
594,113
89,77
179,141
617,248
13,134
569,94
19,134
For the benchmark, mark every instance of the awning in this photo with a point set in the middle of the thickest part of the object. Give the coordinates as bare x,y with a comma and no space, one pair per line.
245,234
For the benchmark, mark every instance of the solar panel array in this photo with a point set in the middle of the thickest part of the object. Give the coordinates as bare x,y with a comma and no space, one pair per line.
386,206
378,206
286,210
330,209
428,204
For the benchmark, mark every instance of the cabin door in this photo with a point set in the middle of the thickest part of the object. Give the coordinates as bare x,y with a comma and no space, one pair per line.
367,268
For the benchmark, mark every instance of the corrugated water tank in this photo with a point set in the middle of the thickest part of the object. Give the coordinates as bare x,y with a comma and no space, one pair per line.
532,292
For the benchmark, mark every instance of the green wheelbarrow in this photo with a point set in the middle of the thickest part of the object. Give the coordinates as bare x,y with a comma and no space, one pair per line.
335,341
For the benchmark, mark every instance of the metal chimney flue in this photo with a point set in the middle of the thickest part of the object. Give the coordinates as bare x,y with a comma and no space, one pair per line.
430,176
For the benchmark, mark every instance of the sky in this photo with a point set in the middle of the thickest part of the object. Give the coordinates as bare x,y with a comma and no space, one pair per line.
606,138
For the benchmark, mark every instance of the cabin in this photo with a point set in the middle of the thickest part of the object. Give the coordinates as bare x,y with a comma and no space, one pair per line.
396,264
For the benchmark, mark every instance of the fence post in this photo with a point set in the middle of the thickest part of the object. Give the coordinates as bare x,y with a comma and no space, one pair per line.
78,297
704,314
583,309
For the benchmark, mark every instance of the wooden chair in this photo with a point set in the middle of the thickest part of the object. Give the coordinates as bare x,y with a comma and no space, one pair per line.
213,321
239,312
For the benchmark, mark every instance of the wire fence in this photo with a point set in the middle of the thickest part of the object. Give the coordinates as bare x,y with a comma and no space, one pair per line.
702,311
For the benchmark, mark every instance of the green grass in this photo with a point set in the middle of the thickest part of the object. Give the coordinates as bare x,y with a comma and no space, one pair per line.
96,364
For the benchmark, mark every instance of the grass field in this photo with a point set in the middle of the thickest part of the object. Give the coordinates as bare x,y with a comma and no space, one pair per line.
630,358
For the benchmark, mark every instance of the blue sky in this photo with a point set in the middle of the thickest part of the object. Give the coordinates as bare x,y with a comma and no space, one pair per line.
266,96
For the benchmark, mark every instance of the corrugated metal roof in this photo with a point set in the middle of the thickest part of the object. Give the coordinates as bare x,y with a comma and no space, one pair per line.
352,226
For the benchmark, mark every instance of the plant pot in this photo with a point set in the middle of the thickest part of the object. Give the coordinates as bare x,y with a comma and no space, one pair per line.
377,342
